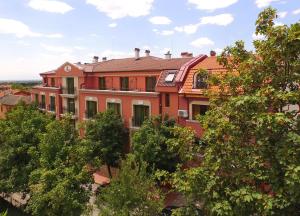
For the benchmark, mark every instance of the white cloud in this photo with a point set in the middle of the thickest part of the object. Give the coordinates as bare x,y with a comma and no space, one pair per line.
80,48
296,12
160,20
221,19
282,14
167,32
20,30
58,49
112,54
54,36
278,23
164,32
257,36
188,29
112,25
51,6
212,4
117,9
264,3
202,42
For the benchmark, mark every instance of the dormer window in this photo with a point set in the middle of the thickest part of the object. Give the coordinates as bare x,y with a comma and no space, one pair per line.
200,81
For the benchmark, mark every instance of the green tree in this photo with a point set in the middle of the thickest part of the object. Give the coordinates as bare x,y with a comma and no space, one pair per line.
3,213
132,193
19,140
252,160
163,144
106,138
60,185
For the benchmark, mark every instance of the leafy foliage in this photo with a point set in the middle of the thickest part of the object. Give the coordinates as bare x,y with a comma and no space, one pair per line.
132,193
252,159
60,184
106,137
162,144
19,139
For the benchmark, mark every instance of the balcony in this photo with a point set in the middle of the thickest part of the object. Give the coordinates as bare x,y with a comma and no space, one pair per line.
42,106
137,122
70,110
89,115
52,108
69,92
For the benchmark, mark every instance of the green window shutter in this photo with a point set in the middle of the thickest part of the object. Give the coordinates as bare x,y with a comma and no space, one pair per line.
102,85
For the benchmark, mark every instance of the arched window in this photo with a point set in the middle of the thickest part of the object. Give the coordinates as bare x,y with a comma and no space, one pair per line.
200,81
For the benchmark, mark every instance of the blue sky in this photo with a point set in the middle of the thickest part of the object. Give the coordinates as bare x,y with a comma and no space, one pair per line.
40,35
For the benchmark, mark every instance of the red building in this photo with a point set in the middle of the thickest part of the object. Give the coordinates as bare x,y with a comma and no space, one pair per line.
136,88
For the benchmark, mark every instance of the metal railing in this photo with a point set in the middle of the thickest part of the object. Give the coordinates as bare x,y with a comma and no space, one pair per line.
89,115
52,107
70,110
137,122
69,90
42,105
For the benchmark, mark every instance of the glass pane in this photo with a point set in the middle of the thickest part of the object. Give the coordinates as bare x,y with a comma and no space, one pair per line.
70,85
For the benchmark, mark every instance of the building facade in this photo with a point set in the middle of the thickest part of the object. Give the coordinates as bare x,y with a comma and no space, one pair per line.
136,88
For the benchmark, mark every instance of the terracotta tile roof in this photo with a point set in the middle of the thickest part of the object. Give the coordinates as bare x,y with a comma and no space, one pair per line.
162,78
210,64
13,100
48,72
132,64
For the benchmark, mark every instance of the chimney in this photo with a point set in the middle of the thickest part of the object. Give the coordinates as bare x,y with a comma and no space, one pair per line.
213,53
137,53
186,55
168,55
104,58
147,53
95,59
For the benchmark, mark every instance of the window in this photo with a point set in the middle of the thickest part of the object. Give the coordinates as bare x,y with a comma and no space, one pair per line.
114,106
167,100
70,85
198,110
36,98
70,106
200,81
43,102
102,85
124,83
141,113
150,84
170,77
52,82
52,103
91,109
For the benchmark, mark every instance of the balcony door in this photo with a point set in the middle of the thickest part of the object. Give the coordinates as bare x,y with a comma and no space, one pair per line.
70,105
141,113
91,109
70,85
52,103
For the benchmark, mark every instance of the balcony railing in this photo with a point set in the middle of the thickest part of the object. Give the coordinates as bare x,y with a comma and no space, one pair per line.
68,90
89,115
42,105
137,122
70,110
52,108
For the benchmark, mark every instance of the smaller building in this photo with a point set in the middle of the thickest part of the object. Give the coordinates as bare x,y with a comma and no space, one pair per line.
7,102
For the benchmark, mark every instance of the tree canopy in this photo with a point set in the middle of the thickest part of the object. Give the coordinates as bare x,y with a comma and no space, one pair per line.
252,131
19,139
106,138
132,193
59,186
163,144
